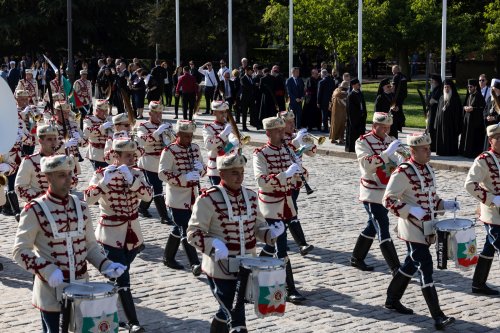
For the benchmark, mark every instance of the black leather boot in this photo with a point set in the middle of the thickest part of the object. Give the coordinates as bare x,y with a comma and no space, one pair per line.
143,209
14,204
6,209
431,298
481,273
161,207
129,309
295,229
390,256
292,295
218,326
395,292
192,256
171,248
359,253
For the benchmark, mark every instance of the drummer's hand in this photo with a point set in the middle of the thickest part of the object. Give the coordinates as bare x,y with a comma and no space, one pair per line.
56,278
496,200
418,212
221,251
277,229
114,270
451,205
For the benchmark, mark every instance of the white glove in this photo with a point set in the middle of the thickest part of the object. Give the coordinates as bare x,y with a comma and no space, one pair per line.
277,229
451,205
114,270
300,135
56,278
108,174
198,166
496,200
4,168
221,251
193,176
292,170
162,128
73,142
393,146
76,135
125,171
228,129
418,212
107,125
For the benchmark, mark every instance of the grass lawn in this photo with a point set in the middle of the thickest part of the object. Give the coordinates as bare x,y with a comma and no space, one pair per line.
412,106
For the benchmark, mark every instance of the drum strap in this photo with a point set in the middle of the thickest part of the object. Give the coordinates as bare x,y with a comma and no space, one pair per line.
494,159
424,188
240,219
67,235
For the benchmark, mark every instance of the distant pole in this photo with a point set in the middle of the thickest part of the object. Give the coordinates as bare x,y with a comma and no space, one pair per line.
290,37
443,41
157,45
177,35
70,69
360,41
230,33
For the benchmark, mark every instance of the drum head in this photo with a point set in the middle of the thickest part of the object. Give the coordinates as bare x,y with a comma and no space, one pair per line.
262,262
454,224
88,289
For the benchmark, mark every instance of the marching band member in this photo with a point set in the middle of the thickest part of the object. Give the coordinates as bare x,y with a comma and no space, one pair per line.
411,196
55,239
181,167
96,128
277,176
70,136
24,110
30,182
56,88
296,143
29,84
482,183
216,137
375,152
120,124
8,168
82,88
153,136
214,229
118,188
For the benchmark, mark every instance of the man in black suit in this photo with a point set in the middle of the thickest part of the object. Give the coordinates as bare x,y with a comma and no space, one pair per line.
13,76
325,90
279,87
295,90
356,115
268,100
247,98
159,74
227,91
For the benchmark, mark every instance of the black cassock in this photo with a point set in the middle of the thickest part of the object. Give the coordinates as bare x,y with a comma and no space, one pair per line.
311,115
356,119
436,94
267,102
448,126
473,130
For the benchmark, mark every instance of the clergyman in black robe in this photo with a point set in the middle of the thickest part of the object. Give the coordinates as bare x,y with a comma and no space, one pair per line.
448,124
267,100
432,106
473,130
356,116
384,101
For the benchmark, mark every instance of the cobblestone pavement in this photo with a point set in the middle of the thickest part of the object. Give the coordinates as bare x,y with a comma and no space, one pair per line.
340,298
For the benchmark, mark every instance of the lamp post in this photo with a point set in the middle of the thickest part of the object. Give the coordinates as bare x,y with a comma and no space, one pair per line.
443,41
69,20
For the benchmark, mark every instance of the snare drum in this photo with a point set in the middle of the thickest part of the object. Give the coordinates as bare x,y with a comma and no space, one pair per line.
456,241
266,287
93,307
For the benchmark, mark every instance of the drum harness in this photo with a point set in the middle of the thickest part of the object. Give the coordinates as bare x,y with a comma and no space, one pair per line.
496,163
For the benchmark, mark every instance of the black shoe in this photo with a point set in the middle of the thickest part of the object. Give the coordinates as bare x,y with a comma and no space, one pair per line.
440,319
360,264
395,292
176,117
481,276
306,249
398,307
293,296
196,270
143,209
443,321
245,129
170,251
485,290
136,329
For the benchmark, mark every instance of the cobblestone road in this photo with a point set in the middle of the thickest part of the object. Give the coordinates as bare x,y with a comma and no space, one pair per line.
340,298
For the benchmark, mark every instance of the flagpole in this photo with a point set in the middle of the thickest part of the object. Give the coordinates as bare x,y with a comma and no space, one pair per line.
360,41
443,41
290,37
70,69
177,35
230,33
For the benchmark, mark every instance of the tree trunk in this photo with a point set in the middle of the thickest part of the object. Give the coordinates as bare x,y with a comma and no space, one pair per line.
404,63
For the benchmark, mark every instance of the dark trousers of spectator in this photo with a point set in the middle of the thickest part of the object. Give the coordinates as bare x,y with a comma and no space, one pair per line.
176,105
209,97
245,109
325,114
188,100
168,94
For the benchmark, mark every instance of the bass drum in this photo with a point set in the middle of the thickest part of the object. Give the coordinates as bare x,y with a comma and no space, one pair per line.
8,114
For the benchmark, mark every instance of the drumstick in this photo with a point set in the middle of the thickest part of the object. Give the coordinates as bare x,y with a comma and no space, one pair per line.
106,272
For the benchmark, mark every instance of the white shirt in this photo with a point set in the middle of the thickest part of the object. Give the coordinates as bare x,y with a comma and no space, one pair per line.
486,89
210,79
221,72
227,89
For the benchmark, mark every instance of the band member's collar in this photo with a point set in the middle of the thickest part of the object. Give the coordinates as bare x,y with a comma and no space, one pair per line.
56,198
100,117
273,146
375,135
218,122
158,123
234,193
493,151
177,142
419,165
